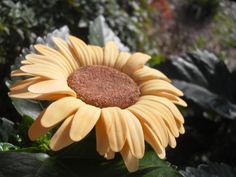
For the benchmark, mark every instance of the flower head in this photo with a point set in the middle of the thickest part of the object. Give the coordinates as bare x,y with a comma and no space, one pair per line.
127,102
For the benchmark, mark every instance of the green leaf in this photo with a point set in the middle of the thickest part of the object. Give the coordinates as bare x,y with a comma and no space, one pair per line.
100,33
40,164
210,170
28,108
7,147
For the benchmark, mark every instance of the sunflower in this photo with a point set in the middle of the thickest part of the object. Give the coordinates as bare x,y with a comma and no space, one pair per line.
126,102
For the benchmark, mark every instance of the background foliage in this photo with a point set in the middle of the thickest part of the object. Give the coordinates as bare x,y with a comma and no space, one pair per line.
160,28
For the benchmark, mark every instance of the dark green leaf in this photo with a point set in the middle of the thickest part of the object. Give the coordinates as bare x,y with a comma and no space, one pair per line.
210,170
205,80
39,164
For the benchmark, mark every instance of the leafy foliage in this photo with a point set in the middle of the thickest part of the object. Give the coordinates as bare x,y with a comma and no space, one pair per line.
40,164
205,80
128,19
210,170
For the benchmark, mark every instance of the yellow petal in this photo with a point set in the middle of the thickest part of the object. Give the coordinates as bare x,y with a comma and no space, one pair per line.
135,137
52,86
172,141
44,71
156,124
19,72
97,55
117,132
59,110
154,86
61,138
135,62
162,111
101,137
109,155
146,73
80,50
174,99
23,84
121,60
25,62
154,141
167,103
110,54
131,162
84,121
36,130
24,94
64,49
47,61
54,56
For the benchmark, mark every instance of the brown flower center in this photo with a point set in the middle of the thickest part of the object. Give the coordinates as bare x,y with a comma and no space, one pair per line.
103,86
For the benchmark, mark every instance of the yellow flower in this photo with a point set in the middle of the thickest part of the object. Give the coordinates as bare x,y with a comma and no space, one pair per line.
127,102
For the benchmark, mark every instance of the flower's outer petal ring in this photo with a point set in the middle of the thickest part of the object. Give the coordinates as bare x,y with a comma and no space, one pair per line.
111,53
122,60
131,162
167,103
84,121
36,130
101,137
61,138
135,62
156,85
117,132
80,50
135,137
52,86
146,73
59,110
65,50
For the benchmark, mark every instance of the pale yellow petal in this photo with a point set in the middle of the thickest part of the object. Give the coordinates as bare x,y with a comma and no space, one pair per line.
167,103
162,111
174,99
111,53
130,161
172,141
157,125
61,138
146,73
117,132
54,56
64,49
101,137
97,55
19,72
23,84
154,86
59,110
25,62
36,130
80,50
52,86
121,60
153,140
135,62
44,71
49,62
23,94
84,121
135,137
110,154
